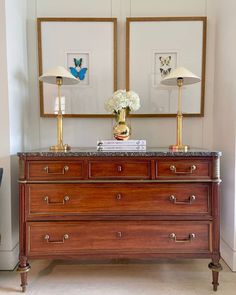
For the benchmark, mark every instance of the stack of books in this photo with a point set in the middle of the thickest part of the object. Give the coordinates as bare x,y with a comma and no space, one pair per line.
121,145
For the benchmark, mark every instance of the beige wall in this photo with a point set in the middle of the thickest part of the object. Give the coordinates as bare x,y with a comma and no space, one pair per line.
85,132
198,132
13,106
225,120
5,190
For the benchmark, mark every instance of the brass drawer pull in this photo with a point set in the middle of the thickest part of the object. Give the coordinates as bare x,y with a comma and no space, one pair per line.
64,170
191,169
65,200
65,237
118,196
187,202
189,239
119,234
119,168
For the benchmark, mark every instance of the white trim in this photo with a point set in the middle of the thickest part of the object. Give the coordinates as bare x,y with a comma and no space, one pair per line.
9,259
228,254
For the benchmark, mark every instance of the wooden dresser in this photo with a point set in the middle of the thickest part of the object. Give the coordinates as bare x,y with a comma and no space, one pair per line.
119,205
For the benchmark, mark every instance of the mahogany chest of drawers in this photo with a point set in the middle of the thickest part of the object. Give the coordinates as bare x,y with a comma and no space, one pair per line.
121,205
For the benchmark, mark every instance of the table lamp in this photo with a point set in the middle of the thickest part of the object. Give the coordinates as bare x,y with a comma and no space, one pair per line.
180,76
59,76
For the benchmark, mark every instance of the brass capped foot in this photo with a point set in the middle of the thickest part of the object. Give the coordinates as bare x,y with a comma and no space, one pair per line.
23,270
215,268
215,286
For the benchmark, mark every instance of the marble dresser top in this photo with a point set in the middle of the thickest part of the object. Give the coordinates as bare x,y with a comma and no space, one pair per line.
92,152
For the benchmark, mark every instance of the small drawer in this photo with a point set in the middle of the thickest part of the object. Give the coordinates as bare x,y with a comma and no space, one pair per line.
183,168
67,238
53,170
119,169
49,200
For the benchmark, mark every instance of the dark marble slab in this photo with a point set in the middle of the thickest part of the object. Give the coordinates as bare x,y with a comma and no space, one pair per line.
150,152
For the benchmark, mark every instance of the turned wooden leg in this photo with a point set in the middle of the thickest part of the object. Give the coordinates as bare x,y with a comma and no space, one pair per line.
216,268
23,268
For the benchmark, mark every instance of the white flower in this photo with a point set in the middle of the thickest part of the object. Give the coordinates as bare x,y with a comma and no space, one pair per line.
122,99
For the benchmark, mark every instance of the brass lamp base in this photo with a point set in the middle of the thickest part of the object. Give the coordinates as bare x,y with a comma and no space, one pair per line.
176,147
60,147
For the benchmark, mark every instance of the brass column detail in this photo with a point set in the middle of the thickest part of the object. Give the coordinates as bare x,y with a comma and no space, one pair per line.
60,145
179,145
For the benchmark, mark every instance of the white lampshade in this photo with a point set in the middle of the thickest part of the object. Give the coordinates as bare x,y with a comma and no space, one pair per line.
51,76
187,76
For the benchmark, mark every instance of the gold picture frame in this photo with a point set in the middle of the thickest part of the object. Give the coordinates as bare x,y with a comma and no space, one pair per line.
151,42
92,40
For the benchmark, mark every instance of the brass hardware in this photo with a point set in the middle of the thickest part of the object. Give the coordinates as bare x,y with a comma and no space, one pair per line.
64,170
23,269
65,200
179,146
187,202
119,168
216,168
189,239
21,169
118,196
59,146
65,237
215,267
191,169
119,234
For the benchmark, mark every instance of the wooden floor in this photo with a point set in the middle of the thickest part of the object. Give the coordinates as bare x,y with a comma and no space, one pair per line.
190,277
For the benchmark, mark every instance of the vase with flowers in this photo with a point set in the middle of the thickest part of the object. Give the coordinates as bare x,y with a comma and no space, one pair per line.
121,104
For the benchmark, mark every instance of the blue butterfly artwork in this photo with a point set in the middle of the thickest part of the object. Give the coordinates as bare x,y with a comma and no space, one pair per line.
78,71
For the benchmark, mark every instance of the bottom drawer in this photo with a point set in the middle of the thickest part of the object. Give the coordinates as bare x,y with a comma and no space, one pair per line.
53,238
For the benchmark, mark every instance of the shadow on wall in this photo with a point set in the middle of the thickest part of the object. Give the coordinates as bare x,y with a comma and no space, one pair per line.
1,170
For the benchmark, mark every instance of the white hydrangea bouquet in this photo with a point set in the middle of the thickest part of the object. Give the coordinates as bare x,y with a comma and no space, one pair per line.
122,99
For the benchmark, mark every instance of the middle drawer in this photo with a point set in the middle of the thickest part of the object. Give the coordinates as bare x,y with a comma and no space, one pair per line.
118,199
119,169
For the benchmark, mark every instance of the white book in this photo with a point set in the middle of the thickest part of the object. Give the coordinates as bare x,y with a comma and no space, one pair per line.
132,142
121,148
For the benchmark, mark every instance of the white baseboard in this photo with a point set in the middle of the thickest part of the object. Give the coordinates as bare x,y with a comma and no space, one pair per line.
228,254
9,259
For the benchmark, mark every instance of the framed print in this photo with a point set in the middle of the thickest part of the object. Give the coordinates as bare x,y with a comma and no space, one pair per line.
79,65
154,47
163,63
87,48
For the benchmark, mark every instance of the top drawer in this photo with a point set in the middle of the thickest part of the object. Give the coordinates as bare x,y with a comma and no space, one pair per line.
120,169
53,170
183,169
